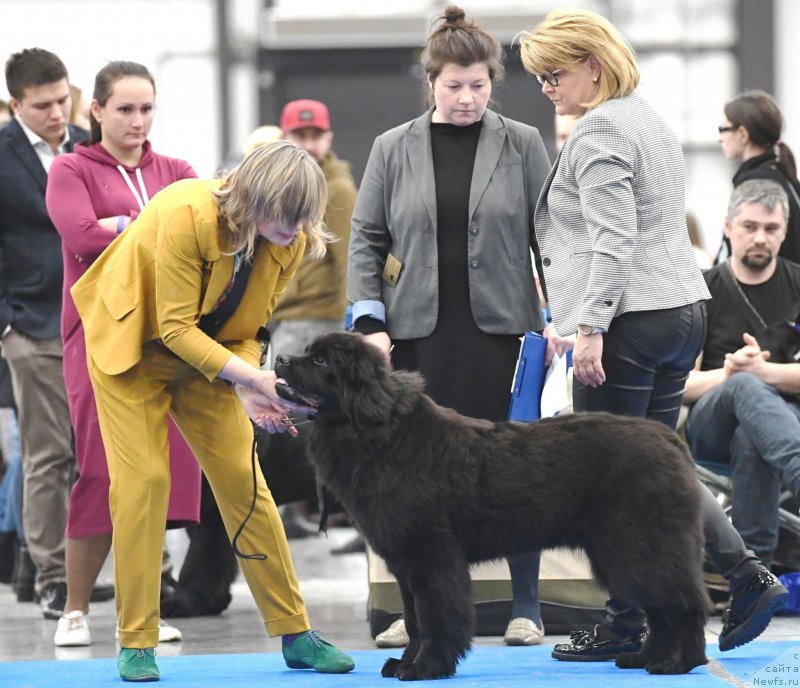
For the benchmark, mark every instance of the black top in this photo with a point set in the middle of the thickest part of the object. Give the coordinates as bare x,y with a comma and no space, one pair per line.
765,166
453,159
727,319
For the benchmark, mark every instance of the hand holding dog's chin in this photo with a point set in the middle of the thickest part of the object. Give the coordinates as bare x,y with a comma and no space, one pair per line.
263,411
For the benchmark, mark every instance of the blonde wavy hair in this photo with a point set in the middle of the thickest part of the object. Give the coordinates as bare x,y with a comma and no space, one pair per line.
277,181
568,36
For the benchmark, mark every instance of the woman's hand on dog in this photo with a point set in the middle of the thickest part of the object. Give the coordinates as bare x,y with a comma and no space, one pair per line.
256,390
382,341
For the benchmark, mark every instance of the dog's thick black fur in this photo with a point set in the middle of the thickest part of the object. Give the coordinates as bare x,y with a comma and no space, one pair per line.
433,491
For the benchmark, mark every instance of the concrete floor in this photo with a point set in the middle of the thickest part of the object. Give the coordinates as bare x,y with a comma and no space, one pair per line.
334,587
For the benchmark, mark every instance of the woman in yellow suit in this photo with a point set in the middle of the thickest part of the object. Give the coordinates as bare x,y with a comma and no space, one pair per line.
143,304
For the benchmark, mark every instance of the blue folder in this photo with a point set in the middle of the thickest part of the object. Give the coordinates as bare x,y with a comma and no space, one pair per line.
526,392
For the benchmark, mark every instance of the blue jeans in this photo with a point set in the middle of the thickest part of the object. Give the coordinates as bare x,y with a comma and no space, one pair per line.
11,485
747,424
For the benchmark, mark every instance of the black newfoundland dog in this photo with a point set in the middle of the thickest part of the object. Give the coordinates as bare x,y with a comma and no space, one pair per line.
433,492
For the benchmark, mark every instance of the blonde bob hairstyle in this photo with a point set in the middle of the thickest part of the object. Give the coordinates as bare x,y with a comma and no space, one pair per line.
568,36
277,181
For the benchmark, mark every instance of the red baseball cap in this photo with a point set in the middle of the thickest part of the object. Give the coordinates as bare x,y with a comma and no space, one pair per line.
305,113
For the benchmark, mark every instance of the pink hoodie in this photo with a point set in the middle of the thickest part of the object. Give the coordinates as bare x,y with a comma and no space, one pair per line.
90,184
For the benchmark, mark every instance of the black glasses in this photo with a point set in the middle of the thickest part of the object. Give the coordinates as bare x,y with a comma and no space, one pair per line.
722,130
549,77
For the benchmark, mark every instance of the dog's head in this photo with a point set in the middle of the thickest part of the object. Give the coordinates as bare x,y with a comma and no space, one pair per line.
342,374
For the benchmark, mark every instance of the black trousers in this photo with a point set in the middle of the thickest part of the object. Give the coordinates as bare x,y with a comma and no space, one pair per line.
647,357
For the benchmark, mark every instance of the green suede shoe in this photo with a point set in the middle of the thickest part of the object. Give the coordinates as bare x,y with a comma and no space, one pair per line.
137,665
310,650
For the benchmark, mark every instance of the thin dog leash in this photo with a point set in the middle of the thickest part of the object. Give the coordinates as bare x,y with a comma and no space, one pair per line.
259,556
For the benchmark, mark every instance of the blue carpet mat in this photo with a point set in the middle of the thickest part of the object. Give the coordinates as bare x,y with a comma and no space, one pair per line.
768,663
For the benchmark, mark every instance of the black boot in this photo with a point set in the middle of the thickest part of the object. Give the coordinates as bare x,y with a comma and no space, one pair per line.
8,555
24,575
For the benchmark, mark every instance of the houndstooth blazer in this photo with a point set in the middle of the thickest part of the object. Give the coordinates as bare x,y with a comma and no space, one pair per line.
611,220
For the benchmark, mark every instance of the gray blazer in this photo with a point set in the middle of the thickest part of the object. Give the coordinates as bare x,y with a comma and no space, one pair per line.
611,220
396,213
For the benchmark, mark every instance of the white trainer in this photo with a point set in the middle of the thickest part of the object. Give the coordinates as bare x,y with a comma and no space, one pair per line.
394,636
73,631
522,631
167,633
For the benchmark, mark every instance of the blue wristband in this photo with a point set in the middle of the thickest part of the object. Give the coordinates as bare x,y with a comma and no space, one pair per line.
120,223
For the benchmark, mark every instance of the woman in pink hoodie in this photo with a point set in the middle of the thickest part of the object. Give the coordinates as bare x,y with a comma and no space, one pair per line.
92,195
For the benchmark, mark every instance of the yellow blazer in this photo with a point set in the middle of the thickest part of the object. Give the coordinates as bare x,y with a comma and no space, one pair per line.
165,271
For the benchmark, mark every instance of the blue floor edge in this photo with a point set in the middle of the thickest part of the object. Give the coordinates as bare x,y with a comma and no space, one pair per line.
507,666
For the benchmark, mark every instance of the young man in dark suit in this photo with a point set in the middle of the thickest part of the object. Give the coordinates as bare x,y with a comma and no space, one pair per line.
31,276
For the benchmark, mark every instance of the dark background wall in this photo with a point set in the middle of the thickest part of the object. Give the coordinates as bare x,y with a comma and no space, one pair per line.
371,90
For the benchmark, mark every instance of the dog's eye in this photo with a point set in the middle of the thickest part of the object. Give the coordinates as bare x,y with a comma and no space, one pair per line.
319,360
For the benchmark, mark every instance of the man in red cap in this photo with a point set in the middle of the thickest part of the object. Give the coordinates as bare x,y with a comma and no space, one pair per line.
315,301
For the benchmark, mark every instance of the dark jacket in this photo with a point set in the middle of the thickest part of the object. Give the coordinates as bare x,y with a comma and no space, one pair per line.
31,270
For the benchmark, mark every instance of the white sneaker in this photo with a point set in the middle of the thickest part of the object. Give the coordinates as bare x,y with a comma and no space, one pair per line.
73,631
166,633
394,636
523,631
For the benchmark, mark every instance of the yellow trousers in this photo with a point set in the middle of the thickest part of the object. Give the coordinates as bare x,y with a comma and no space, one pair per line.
133,408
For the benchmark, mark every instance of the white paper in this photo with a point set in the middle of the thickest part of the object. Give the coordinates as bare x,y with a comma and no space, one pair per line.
555,396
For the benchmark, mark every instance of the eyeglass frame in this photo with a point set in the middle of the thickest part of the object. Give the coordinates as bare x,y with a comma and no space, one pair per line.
733,127
549,77
553,76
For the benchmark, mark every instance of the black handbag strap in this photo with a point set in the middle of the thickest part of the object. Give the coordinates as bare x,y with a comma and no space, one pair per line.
212,322
754,318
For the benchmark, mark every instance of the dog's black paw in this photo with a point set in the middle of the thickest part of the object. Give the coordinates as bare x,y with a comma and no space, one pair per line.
183,604
670,666
390,668
422,671
630,660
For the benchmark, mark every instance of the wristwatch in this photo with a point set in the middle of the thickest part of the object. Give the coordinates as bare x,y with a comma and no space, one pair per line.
586,330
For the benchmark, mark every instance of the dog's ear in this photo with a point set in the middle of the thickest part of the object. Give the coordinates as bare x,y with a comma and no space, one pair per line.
368,390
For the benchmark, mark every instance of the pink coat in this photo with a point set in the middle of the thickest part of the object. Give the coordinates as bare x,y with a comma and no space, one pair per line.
83,187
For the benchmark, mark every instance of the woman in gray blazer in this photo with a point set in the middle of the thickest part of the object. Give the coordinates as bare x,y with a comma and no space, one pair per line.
619,271
440,250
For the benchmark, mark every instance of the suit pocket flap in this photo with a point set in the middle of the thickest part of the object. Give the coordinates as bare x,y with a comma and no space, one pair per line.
117,300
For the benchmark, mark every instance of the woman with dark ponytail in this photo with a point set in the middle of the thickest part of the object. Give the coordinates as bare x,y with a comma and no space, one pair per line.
751,132
440,265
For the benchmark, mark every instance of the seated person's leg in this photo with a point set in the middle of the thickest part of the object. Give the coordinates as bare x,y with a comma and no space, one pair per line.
755,498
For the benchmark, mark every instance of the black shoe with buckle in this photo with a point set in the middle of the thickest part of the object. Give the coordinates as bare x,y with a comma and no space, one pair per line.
52,600
598,645
752,608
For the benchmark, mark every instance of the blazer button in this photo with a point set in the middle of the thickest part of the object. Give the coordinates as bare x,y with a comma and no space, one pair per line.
473,230
474,263
546,262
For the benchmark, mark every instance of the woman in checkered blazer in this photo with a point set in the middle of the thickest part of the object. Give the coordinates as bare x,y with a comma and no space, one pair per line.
619,271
